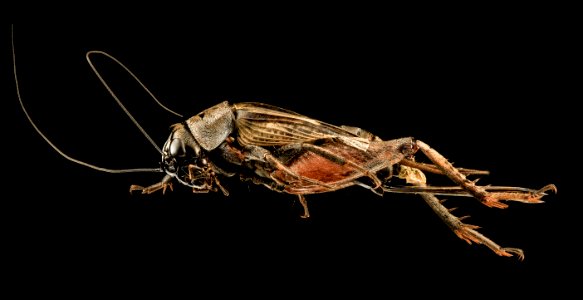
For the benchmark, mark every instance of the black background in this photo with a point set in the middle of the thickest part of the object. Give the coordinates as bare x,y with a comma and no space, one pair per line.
487,97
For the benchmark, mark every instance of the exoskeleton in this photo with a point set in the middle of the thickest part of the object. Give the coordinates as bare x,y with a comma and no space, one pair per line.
291,153
294,154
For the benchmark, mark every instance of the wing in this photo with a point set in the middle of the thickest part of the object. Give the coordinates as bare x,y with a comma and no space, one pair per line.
266,125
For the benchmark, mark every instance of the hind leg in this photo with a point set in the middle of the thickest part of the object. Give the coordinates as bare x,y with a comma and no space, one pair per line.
467,232
491,199
464,231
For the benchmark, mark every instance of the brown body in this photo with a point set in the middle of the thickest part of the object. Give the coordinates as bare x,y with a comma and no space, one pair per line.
291,153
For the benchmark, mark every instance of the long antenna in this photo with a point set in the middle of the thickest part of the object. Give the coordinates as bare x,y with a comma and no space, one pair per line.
131,74
156,170
88,57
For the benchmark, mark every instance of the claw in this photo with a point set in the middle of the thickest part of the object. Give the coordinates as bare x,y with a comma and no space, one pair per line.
469,234
536,196
511,252
548,187
493,199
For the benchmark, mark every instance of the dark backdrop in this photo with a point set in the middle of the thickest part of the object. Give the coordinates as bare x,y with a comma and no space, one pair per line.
486,97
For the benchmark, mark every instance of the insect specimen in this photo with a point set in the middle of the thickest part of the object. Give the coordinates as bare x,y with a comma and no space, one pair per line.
287,152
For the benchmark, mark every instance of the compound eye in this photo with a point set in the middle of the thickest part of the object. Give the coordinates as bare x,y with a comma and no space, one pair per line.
177,148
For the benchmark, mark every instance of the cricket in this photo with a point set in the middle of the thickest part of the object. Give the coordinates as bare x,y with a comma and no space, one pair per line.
287,152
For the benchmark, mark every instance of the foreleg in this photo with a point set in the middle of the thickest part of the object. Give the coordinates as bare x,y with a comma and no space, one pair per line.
162,185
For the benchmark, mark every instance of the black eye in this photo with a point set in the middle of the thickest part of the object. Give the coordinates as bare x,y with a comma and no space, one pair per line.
177,148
